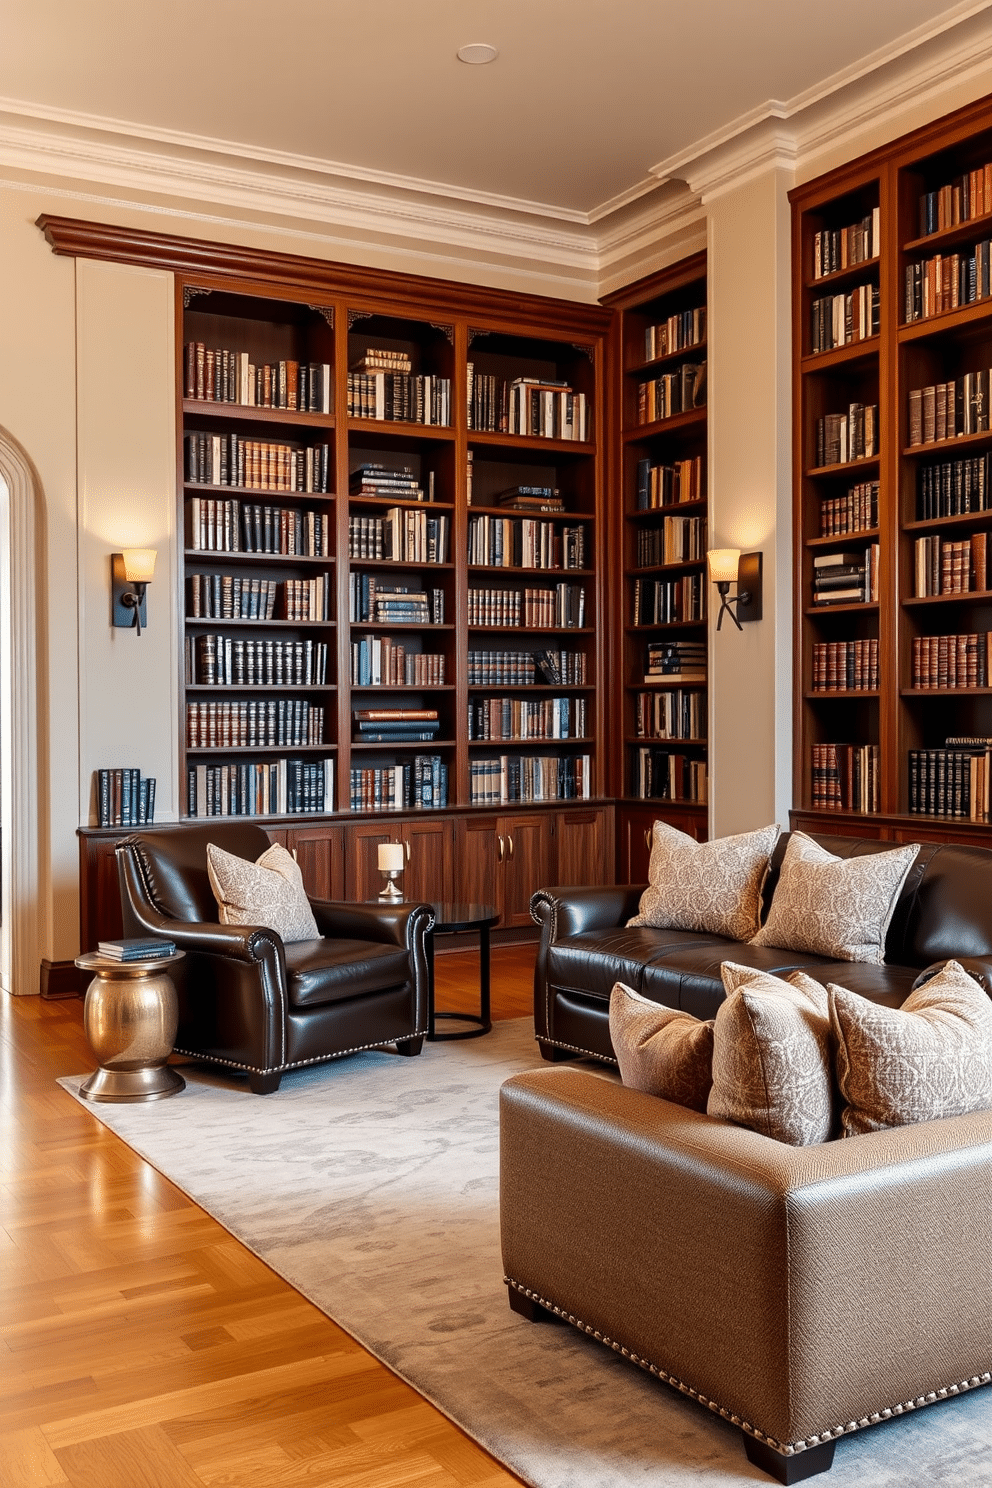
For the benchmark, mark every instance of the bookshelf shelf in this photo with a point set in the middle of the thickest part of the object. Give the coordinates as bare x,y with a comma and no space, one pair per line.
693,418
855,353
672,358
847,467
287,418
842,539
840,277
943,322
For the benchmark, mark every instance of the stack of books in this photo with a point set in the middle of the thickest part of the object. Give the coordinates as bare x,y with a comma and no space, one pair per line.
137,948
398,482
846,578
395,725
530,498
676,661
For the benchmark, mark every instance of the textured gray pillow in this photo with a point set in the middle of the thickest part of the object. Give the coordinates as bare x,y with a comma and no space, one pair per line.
268,892
928,1059
771,1056
837,907
660,1050
709,886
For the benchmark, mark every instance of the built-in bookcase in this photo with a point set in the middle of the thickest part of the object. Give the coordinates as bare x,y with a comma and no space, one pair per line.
894,706
660,337
393,557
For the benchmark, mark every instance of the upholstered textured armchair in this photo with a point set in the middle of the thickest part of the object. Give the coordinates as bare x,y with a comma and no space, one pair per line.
253,1003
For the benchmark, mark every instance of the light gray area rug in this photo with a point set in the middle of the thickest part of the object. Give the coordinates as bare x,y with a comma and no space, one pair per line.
371,1185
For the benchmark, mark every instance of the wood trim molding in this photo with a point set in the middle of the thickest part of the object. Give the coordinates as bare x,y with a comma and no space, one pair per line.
75,238
61,979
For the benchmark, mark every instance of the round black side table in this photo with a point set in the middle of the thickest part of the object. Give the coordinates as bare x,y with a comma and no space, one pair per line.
449,919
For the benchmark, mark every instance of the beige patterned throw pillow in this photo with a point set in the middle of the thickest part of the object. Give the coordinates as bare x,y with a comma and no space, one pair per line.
660,1050
708,886
771,1056
837,907
928,1059
268,892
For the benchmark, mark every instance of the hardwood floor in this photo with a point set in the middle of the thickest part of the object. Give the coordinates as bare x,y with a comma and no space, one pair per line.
142,1346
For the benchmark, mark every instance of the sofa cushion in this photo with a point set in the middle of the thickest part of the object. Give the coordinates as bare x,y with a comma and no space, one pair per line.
835,907
660,1050
595,961
713,887
267,892
771,1056
931,1058
329,970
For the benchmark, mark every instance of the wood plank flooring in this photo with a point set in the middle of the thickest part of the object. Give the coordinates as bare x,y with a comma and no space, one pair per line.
142,1347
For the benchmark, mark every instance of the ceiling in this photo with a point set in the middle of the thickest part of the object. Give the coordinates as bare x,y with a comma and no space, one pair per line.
585,97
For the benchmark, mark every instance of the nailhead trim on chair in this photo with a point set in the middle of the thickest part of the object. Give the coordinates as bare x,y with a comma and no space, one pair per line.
574,1048
254,1069
787,1449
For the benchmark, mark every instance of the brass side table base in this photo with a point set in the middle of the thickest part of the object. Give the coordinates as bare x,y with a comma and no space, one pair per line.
130,1016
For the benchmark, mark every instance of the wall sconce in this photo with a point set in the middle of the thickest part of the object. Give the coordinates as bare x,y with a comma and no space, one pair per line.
730,566
130,573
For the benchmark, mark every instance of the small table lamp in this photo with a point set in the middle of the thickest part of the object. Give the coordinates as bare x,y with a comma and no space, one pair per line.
391,865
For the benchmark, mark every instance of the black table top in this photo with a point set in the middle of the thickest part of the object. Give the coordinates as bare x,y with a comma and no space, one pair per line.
449,916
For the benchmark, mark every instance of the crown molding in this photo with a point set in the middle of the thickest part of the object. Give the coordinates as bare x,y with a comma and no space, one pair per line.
782,134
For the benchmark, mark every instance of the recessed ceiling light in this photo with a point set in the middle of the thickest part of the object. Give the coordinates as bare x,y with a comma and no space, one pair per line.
477,53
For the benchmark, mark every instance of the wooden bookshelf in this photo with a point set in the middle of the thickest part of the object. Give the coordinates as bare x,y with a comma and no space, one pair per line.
934,600
661,765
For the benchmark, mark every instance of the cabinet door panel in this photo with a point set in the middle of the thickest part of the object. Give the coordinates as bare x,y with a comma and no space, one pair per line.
430,847
479,877
320,854
527,861
583,847
362,877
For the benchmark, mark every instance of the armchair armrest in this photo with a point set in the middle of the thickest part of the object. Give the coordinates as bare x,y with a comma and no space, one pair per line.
562,912
400,924
980,967
784,1286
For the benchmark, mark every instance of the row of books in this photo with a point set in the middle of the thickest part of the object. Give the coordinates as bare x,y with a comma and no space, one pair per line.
679,714
946,409
395,725
225,525
372,600
527,498
404,535
845,666
953,488
524,542
675,392
842,437
527,718
420,783
400,397
684,329
951,782
215,596
845,777
560,608
383,359
841,319
668,601
846,578
952,661
533,406
284,787
222,375
529,777
396,482
257,464
676,540
229,661
669,485
842,247
124,798
946,282
675,661
526,668
263,724
855,511
661,775
377,661
943,567
961,200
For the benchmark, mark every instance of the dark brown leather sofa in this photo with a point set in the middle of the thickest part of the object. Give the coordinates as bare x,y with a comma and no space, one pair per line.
251,1003
945,910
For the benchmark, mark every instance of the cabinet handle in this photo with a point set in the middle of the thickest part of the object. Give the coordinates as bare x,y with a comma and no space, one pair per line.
499,850
647,837
510,841
293,851
407,846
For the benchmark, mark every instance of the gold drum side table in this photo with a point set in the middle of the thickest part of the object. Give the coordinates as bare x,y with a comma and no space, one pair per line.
130,1016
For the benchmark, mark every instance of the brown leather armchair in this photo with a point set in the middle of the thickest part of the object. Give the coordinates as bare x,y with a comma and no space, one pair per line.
252,1003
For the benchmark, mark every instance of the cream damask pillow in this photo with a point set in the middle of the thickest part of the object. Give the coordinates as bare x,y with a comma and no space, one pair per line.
928,1059
771,1056
268,892
660,1050
708,886
837,907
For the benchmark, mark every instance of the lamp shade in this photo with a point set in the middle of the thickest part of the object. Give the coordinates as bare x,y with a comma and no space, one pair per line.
390,856
139,565
723,564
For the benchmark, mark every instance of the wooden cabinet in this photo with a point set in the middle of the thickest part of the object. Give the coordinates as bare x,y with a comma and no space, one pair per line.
634,838
429,846
503,859
320,852
584,846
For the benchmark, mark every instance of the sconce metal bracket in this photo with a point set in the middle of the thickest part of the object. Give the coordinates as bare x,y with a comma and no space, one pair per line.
749,587
122,615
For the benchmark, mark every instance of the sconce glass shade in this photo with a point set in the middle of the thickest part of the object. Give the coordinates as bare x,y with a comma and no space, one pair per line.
723,564
139,565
